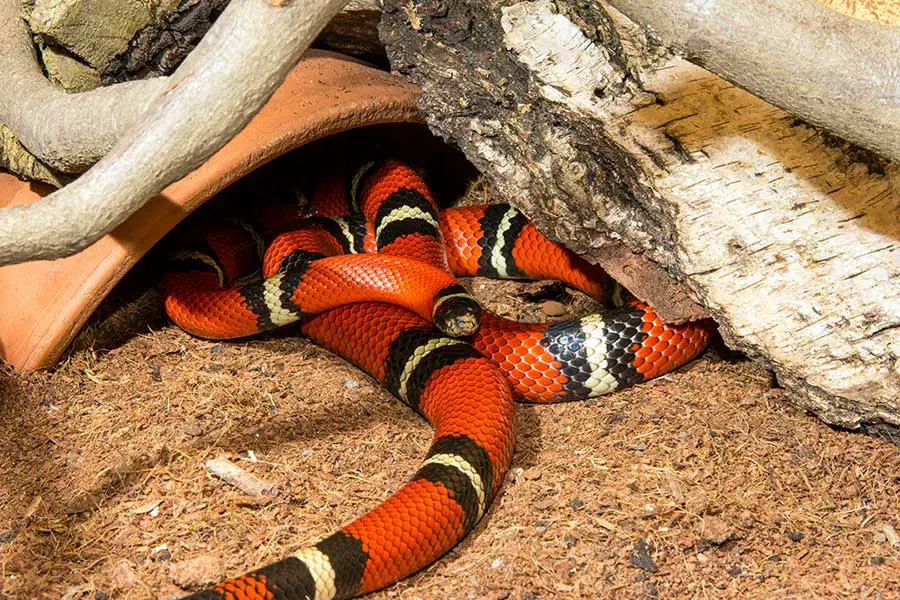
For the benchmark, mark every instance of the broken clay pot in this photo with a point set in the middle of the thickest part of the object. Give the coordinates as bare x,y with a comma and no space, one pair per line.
43,304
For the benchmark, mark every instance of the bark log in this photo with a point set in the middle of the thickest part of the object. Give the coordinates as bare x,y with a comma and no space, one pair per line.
785,234
816,63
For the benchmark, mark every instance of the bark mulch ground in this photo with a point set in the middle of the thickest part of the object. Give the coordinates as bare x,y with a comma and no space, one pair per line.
705,483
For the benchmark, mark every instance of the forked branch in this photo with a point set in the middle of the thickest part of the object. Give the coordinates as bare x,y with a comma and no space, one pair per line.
67,132
213,94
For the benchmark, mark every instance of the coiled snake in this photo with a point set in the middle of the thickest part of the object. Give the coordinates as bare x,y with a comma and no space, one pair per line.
370,276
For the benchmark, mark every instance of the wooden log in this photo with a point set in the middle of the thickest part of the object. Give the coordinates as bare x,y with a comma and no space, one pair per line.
786,235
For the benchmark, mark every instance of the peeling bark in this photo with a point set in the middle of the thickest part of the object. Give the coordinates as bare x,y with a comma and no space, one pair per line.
787,235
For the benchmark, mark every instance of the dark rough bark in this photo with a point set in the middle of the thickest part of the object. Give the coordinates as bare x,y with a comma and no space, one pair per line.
159,48
787,236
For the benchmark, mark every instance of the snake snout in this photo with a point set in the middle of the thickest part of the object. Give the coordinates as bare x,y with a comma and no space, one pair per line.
458,315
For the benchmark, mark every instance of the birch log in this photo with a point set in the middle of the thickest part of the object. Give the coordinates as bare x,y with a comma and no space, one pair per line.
786,235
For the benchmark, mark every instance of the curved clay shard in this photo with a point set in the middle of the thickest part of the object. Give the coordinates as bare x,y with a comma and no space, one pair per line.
45,303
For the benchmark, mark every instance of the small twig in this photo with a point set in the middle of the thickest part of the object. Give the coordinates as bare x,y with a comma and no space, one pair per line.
229,472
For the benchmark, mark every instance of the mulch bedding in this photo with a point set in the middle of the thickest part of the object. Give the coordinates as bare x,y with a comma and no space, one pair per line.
705,483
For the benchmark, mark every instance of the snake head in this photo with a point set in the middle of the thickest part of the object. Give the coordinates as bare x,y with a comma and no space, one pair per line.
456,313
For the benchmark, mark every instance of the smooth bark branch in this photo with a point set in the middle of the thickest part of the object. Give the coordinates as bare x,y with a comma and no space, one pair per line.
839,73
67,132
212,95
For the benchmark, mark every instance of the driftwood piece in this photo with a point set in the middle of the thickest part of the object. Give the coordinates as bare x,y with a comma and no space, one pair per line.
16,158
212,95
788,236
67,132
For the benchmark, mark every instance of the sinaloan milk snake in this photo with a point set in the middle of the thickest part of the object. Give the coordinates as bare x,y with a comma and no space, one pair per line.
369,273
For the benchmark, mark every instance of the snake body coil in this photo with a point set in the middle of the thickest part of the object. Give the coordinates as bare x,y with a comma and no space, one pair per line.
369,277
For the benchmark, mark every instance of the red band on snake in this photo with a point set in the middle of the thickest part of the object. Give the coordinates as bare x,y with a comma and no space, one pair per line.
461,386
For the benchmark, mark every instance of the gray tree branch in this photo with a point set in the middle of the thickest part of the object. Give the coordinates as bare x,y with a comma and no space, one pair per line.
68,132
212,96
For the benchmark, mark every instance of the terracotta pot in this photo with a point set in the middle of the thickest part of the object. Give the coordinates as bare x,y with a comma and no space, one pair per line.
44,304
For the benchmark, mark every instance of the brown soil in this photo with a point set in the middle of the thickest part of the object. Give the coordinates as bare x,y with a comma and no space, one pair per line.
705,483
